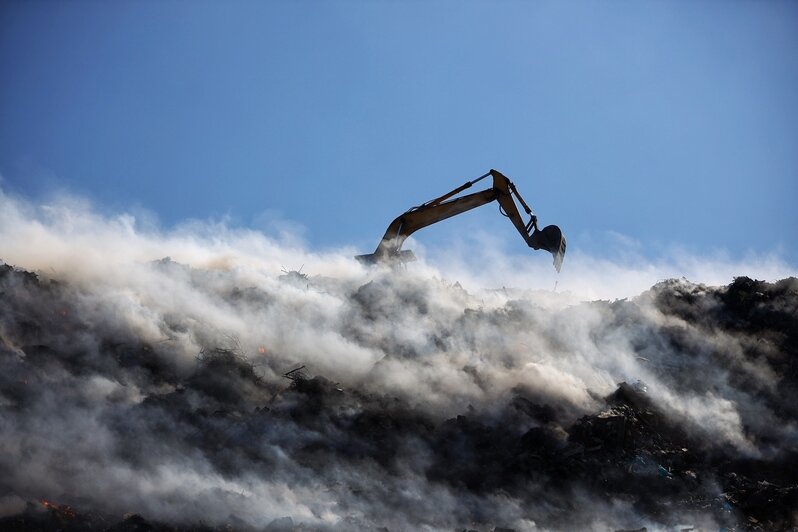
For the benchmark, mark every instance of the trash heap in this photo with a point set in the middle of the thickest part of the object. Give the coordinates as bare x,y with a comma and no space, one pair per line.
362,459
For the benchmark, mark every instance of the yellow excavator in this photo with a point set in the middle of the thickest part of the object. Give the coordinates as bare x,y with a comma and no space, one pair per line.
550,238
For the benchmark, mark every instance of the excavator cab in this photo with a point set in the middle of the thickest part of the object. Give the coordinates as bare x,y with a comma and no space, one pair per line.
550,238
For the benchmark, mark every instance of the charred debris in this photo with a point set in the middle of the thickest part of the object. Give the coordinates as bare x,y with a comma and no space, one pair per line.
631,449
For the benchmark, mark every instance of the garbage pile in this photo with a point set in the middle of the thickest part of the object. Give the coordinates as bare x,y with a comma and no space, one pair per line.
104,431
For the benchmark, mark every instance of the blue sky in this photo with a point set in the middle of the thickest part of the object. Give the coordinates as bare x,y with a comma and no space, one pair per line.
671,123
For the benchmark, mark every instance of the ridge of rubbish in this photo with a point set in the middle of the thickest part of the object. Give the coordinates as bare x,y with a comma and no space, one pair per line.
524,461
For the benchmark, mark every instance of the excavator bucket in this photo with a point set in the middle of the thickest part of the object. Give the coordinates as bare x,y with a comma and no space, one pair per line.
552,240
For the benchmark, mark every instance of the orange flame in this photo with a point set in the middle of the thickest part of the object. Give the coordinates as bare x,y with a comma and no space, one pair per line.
61,509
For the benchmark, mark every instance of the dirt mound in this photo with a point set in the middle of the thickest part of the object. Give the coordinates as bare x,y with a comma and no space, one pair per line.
124,436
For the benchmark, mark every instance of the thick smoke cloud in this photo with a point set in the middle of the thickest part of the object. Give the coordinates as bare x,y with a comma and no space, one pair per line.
137,383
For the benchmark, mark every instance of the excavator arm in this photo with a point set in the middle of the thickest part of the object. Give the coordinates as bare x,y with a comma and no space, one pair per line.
550,238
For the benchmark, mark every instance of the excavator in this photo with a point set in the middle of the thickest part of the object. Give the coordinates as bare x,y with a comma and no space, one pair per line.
389,250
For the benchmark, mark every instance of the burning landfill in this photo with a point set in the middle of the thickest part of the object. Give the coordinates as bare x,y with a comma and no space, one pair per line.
154,395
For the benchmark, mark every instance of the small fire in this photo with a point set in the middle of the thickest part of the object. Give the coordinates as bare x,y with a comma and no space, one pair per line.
261,350
61,509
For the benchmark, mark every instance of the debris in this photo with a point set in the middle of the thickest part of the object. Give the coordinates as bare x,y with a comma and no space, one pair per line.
390,451
295,278
296,374
663,472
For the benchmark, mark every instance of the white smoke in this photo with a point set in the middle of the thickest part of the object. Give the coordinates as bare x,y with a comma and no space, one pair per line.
415,335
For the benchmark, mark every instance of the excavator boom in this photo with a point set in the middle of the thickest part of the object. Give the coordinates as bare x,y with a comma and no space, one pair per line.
550,238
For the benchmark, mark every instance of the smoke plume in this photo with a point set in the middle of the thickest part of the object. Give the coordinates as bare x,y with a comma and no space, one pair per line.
144,371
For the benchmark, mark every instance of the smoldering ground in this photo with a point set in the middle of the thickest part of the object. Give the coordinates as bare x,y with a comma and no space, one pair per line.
136,384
